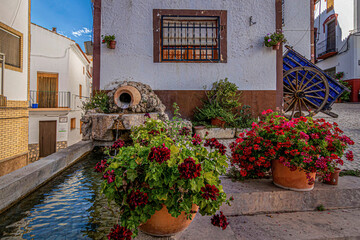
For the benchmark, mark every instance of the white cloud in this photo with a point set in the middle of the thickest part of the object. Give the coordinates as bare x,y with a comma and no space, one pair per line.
80,32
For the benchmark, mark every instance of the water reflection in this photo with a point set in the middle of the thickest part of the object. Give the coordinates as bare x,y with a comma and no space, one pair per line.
68,207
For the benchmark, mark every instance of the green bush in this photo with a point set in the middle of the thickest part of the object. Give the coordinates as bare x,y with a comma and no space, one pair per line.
98,102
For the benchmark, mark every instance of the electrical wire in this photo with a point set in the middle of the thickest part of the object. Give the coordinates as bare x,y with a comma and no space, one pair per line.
35,55
16,13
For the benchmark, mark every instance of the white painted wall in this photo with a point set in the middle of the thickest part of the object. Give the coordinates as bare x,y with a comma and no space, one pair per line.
250,65
55,53
15,14
345,61
297,27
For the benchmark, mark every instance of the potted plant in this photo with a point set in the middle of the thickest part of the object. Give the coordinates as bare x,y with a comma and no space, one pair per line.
109,40
161,181
274,40
296,150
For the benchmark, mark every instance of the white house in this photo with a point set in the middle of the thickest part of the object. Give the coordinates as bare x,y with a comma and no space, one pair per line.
14,72
60,80
337,25
177,47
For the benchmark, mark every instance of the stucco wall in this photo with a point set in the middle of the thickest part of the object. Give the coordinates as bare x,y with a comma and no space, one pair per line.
16,83
250,65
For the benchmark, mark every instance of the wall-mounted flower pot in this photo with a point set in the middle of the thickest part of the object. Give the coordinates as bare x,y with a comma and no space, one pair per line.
334,177
277,46
218,122
162,224
112,44
296,180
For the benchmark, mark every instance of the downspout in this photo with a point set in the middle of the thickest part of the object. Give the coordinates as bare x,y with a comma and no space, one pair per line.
279,59
2,60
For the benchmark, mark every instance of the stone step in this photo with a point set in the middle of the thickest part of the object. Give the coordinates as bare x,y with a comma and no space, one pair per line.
334,224
262,196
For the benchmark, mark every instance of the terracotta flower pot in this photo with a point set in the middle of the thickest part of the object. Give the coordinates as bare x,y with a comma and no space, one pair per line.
112,44
218,122
277,46
293,180
334,177
163,224
199,127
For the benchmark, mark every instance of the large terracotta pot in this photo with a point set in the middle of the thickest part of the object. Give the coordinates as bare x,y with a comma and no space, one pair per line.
334,177
163,224
292,180
218,122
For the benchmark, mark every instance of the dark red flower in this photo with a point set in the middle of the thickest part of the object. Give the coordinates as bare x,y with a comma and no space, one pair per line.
196,139
137,198
154,132
119,233
350,156
214,143
101,166
188,169
147,115
110,176
184,131
219,221
210,191
159,154
118,144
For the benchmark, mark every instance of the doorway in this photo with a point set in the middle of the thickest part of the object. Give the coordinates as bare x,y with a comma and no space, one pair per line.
47,138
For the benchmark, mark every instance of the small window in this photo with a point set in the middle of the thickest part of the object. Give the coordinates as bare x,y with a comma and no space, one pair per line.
73,123
329,5
80,91
11,46
190,36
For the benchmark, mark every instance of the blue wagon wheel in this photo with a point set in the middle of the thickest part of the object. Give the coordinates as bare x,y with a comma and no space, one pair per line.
306,91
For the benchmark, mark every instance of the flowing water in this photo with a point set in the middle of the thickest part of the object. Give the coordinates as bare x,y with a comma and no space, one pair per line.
68,207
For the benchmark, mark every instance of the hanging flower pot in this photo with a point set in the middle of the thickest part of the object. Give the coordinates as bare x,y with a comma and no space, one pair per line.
112,44
293,180
276,47
334,177
218,122
162,224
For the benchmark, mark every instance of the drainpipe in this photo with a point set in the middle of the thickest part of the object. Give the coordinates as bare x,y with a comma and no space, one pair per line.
2,60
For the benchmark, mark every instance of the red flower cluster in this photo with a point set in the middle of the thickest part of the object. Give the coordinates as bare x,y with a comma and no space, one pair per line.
210,191
196,140
118,144
159,154
154,132
188,169
219,221
184,131
350,156
110,176
119,233
214,143
137,198
101,166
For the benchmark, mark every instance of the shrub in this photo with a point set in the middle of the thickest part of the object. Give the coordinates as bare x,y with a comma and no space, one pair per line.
99,102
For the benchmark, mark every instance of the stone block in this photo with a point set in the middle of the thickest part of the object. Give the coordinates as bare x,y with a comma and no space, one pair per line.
132,120
217,132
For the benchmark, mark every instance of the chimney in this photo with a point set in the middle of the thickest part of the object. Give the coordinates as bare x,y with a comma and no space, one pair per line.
54,29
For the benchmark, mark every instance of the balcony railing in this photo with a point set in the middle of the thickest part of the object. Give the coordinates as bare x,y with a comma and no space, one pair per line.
326,48
42,99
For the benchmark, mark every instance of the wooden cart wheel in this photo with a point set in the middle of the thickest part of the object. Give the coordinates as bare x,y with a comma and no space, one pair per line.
306,91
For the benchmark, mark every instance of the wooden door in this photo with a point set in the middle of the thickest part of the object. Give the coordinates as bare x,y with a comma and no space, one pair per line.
47,88
47,138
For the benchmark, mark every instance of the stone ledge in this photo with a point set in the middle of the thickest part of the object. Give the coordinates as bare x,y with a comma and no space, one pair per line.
262,196
23,181
222,133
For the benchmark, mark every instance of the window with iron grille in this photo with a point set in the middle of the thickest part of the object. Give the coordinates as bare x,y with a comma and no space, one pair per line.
190,36
190,39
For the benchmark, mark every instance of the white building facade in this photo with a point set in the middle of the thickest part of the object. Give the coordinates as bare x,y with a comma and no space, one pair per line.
151,51
337,26
60,80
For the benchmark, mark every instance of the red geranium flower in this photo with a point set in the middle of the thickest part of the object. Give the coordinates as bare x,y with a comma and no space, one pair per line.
137,198
101,166
110,176
159,154
119,233
219,221
188,169
210,191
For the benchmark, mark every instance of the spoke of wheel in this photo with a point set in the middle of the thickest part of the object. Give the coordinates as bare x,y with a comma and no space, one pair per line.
293,111
290,93
287,102
314,91
308,81
296,79
303,79
312,85
311,104
299,105
290,83
288,88
302,100
291,103
310,96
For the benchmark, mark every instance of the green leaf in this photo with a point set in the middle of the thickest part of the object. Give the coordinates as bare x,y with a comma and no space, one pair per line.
115,165
131,174
118,181
174,150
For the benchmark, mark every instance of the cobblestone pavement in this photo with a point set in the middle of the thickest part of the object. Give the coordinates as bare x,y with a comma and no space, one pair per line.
349,122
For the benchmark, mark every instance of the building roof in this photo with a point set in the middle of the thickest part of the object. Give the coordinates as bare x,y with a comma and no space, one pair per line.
53,32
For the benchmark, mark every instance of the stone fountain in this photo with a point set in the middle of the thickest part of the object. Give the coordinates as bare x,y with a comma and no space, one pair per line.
128,103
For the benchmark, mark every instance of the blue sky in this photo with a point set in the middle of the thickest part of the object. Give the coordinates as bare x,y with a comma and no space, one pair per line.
72,18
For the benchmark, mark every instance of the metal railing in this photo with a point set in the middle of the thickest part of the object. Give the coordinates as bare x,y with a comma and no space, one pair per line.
326,46
44,99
